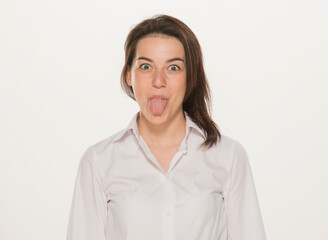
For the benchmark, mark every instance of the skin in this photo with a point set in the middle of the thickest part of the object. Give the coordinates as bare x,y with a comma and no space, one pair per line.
159,69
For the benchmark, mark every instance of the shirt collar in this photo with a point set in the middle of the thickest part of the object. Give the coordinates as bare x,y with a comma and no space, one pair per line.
133,127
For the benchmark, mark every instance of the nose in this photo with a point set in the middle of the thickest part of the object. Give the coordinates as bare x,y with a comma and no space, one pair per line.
159,79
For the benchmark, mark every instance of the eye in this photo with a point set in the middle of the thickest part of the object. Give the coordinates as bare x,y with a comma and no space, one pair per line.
174,68
145,66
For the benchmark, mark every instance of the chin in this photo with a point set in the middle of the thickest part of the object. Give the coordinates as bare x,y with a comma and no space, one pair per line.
156,118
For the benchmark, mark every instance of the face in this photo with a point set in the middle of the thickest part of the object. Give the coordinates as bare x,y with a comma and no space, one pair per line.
158,77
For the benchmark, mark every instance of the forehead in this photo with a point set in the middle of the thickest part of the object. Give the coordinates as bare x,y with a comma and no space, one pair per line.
159,44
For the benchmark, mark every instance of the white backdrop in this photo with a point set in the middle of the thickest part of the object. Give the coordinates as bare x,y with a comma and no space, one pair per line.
60,64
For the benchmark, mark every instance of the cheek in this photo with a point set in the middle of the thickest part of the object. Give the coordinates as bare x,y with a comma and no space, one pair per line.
183,86
179,90
139,89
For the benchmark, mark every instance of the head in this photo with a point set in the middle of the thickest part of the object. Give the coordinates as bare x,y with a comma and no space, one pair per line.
196,100
158,78
165,25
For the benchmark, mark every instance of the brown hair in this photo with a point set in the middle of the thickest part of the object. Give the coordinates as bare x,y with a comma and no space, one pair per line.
197,100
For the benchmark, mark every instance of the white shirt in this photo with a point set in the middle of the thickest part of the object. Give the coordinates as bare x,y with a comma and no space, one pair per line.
122,192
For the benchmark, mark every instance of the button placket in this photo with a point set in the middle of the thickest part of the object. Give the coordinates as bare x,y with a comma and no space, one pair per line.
168,211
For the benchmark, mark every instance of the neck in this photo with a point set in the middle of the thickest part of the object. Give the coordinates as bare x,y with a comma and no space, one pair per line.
165,135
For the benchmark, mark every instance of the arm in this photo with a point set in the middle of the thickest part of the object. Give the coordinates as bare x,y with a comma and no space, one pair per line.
88,213
243,212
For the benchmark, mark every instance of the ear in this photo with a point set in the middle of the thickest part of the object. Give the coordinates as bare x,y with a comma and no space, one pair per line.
128,78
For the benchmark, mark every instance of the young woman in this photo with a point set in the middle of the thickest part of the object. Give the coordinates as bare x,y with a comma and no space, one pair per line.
170,174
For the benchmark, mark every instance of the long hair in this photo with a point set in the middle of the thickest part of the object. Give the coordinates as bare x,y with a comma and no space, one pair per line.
197,99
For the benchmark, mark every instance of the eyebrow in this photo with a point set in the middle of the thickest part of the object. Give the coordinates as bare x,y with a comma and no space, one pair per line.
168,61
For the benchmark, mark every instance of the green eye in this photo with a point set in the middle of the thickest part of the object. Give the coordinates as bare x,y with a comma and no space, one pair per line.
145,66
174,68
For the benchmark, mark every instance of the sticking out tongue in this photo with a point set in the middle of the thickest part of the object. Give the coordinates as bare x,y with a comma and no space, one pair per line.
157,105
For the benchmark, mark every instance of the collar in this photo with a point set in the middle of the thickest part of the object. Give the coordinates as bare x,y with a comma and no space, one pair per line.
133,127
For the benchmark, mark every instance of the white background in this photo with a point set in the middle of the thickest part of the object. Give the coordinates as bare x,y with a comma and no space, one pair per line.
60,64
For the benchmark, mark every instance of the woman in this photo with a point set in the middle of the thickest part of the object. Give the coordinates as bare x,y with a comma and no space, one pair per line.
170,174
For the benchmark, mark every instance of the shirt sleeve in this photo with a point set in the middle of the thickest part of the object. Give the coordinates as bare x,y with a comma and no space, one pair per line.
88,215
243,213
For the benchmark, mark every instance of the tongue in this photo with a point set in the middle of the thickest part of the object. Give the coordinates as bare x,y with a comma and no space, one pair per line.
157,105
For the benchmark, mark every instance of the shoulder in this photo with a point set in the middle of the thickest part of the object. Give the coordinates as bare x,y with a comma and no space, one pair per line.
110,140
231,150
229,144
239,157
100,148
